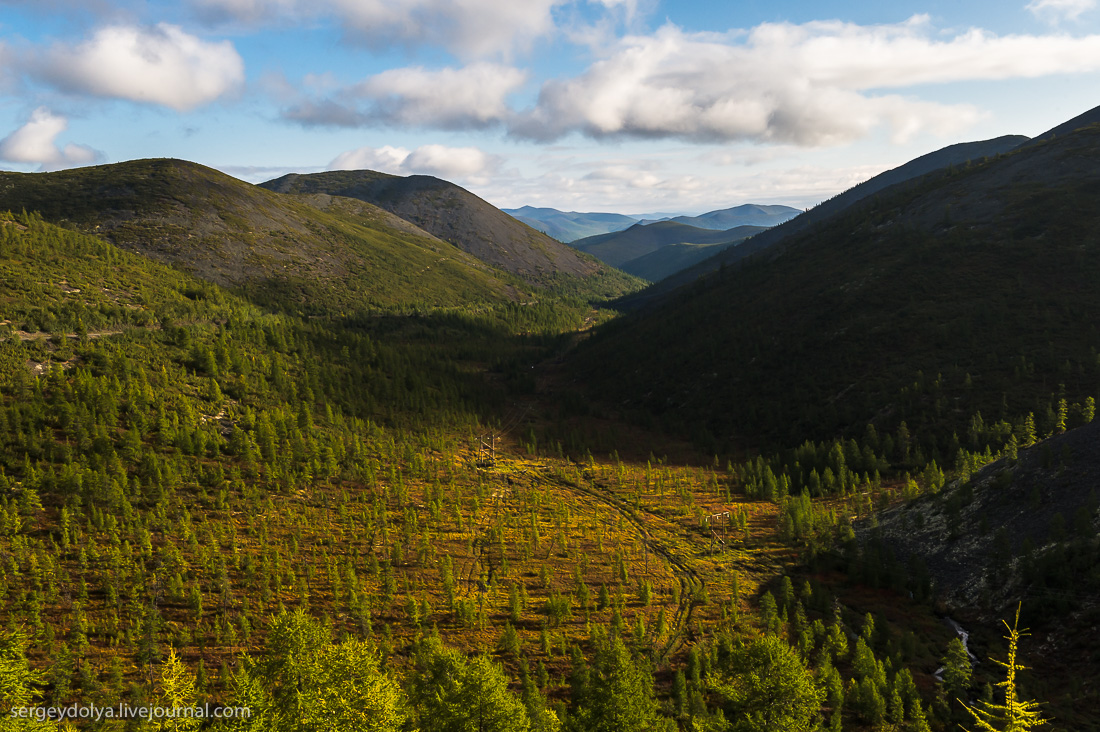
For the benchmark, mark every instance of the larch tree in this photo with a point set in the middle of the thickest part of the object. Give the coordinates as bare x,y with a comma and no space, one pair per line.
1015,714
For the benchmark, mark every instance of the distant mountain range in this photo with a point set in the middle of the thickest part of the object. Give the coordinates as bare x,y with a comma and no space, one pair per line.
572,226
749,214
568,227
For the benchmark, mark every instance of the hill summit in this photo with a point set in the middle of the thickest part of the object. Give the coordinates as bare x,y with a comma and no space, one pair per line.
316,253
453,214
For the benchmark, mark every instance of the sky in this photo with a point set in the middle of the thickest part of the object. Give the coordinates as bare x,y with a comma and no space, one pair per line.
632,106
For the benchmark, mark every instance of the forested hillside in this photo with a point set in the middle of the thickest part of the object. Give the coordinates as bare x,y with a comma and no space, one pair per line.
960,154
469,223
968,293
307,255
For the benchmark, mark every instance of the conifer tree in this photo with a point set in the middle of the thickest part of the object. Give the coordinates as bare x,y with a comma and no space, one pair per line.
767,687
456,694
1015,715
621,694
956,668
177,693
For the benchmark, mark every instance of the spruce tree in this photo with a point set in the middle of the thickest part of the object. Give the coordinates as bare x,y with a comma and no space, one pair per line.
956,668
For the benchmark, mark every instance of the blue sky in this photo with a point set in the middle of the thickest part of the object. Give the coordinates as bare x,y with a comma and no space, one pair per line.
614,105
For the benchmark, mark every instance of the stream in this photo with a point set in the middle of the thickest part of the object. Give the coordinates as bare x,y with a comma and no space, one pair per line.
963,634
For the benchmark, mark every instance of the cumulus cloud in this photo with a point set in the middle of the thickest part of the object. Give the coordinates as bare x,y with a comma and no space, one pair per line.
819,83
473,96
437,160
469,28
161,65
815,84
1058,10
36,142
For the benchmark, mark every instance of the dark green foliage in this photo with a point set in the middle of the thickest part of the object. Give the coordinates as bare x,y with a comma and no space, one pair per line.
458,694
307,682
618,695
956,669
765,687
883,313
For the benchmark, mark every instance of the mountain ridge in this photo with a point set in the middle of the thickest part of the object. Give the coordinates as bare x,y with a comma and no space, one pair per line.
619,247
456,215
235,234
748,214
957,154
568,226
827,328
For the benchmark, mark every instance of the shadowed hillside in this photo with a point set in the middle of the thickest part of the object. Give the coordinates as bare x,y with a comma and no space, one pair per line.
970,287
958,154
620,247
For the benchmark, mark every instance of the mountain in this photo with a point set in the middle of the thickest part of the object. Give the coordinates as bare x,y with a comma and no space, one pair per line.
307,252
670,259
620,247
1084,119
461,218
749,214
969,289
1020,532
959,154
570,226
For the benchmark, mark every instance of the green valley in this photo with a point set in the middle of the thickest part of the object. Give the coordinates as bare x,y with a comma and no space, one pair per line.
347,451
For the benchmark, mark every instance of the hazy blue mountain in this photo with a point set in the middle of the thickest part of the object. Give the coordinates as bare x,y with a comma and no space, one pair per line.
568,226
749,214
620,248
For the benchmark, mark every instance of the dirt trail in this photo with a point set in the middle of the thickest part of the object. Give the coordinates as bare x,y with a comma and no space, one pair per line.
687,576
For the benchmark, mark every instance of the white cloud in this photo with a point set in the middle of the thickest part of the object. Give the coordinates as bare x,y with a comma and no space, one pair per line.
634,185
36,142
161,65
814,84
473,96
438,160
469,28
385,159
1058,10
447,97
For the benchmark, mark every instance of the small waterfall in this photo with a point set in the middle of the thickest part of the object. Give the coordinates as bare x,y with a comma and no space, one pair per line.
964,635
